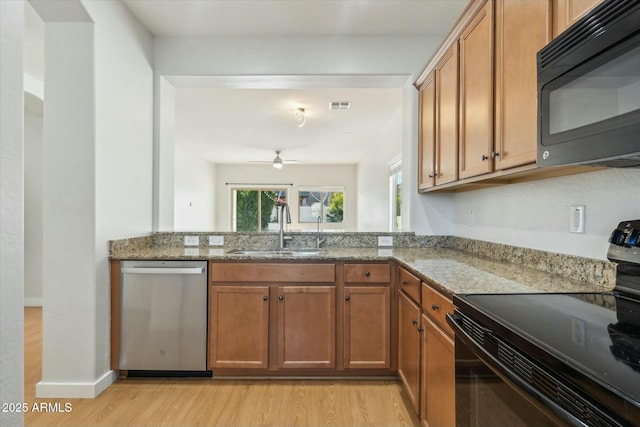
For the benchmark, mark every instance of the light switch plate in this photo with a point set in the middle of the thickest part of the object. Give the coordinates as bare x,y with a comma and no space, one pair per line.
385,240
191,241
216,240
576,219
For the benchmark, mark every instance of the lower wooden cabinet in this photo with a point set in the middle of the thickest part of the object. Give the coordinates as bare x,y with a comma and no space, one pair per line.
438,377
271,318
409,348
306,327
367,323
239,326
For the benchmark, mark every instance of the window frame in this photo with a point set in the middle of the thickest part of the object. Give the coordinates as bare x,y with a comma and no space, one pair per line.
322,189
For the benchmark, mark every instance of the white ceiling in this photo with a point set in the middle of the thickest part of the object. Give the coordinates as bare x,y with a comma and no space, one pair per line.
241,125
296,17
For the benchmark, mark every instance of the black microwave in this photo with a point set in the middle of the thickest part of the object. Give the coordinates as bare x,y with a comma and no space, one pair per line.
589,90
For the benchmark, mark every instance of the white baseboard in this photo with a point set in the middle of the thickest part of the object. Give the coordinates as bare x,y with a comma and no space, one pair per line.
87,390
33,302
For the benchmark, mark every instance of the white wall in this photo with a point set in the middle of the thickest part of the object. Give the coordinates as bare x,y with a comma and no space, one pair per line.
195,179
536,214
11,212
124,145
373,175
97,173
299,176
33,205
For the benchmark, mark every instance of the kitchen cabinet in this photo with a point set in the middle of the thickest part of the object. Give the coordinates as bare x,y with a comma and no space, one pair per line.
522,29
478,97
446,143
367,316
239,326
306,326
427,133
437,404
289,318
274,316
476,94
409,330
566,12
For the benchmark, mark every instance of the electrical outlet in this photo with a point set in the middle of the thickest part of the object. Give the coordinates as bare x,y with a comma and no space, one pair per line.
216,240
576,219
385,240
191,240
472,217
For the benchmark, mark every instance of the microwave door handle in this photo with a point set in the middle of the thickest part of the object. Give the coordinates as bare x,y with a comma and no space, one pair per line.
507,375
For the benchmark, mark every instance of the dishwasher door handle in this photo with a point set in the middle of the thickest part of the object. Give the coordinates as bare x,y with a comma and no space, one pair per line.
161,270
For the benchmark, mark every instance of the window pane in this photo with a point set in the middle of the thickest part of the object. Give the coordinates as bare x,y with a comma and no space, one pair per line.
255,209
398,204
334,206
310,205
247,210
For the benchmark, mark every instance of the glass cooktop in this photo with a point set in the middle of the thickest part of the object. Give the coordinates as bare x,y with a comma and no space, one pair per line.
597,334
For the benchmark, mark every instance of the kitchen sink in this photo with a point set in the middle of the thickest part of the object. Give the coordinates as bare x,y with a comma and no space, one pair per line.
292,251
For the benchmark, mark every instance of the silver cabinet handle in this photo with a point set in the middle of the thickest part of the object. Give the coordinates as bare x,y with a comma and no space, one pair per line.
160,270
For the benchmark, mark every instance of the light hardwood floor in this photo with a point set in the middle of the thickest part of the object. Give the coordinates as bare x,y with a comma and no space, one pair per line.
207,402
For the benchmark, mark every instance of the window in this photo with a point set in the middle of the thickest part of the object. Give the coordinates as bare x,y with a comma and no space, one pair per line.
254,209
324,202
395,194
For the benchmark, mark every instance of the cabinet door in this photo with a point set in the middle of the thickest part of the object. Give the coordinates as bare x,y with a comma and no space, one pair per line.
522,29
239,326
366,326
447,117
409,348
438,406
427,133
476,95
306,326
566,12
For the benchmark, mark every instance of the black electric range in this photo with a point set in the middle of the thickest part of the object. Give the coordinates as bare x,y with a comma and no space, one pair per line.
576,353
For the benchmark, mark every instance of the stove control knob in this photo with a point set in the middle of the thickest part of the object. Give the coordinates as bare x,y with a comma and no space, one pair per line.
617,237
633,238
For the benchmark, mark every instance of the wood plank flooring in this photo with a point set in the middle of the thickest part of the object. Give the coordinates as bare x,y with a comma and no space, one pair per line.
207,402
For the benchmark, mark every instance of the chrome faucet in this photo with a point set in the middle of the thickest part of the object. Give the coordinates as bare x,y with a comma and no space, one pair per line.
282,208
318,240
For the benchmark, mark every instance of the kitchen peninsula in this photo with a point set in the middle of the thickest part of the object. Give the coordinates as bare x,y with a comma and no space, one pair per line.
350,308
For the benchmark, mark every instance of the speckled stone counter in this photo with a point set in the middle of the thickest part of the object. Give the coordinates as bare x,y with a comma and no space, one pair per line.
451,271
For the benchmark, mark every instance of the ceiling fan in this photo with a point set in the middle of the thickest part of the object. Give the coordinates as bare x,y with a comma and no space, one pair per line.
277,162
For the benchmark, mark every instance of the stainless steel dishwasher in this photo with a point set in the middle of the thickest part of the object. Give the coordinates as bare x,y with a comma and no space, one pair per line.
163,316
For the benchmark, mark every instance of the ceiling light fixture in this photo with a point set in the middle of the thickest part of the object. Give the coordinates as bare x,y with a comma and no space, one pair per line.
277,162
300,117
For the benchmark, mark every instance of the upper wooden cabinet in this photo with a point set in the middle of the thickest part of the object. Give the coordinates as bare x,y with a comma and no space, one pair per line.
476,94
479,99
427,133
522,29
566,12
447,85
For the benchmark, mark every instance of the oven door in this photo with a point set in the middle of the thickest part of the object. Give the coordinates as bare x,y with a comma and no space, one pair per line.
488,393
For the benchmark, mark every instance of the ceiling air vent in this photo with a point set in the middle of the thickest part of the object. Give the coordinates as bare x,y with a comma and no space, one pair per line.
339,105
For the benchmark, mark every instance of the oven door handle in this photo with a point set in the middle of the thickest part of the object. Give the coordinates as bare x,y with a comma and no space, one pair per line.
507,375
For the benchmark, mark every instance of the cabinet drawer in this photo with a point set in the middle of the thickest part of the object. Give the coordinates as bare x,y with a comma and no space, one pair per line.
272,272
409,283
436,306
367,273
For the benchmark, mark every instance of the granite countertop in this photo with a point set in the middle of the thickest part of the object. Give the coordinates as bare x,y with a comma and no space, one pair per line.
448,270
